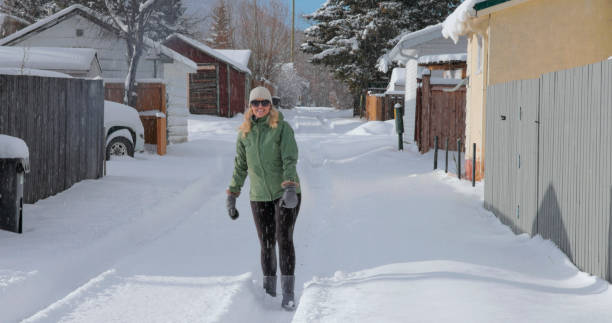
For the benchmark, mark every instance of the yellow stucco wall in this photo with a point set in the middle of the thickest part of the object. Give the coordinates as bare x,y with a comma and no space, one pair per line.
527,40
475,96
542,36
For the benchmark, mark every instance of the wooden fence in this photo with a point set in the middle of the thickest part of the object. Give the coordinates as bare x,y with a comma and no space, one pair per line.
62,122
439,113
204,90
548,159
380,107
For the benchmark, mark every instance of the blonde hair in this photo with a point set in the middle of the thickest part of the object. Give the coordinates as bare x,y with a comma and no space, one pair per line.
245,127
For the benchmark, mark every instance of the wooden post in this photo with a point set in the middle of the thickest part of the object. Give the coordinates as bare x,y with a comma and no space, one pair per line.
446,156
435,152
426,114
218,90
229,92
459,158
474,165
161,136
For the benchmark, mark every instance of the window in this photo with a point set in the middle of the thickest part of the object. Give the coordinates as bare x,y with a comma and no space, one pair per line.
79,32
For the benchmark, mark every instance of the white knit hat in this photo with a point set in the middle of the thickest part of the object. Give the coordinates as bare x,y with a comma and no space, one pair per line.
260,92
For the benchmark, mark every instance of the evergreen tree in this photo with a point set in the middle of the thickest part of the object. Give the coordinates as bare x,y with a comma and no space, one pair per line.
350,35
221,34
28,10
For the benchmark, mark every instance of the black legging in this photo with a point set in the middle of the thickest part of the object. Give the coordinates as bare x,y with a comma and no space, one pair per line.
275,223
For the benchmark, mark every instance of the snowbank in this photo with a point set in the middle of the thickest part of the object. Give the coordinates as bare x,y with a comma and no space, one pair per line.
373,128
13,147
455,24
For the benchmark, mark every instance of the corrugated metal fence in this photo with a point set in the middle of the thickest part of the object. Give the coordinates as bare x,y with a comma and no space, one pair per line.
549,157
62,122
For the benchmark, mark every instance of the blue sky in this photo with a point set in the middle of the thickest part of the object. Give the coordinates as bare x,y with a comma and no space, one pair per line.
302,7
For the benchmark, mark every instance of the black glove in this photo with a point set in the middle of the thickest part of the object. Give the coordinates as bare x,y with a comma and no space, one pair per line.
289,200
230,203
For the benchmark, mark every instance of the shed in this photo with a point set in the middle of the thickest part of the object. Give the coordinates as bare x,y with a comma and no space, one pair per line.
76,62
81,27
411,46
222,82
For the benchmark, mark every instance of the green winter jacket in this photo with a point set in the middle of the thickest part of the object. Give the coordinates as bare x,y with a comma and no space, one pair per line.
269,156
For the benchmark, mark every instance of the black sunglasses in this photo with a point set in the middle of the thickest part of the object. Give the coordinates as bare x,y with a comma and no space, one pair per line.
263,103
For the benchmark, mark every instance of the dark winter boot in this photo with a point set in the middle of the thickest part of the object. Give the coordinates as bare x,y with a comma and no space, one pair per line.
287,284
269,285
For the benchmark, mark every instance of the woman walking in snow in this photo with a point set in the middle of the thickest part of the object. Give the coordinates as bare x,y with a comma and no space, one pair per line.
266,150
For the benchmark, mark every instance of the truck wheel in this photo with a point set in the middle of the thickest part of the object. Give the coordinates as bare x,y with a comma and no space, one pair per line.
119,146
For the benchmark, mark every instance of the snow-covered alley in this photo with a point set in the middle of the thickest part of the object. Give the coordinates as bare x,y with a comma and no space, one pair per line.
380,238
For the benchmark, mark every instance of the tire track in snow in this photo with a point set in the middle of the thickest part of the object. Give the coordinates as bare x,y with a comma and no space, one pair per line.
84,264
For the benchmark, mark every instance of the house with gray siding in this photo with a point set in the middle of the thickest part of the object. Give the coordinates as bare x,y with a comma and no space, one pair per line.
411,46
76,62
80,27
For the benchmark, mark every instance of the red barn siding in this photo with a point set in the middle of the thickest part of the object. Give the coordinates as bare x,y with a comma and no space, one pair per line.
236,88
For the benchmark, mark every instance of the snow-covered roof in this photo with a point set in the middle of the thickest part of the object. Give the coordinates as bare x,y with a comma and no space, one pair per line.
47,58
408,41
31,72
412,39
212,52
75,8
13,147
442,58
455,24
241,56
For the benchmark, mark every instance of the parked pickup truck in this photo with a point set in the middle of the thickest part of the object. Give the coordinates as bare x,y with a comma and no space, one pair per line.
124,130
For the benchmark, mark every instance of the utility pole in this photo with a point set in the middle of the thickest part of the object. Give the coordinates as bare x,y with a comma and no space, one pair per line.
292,28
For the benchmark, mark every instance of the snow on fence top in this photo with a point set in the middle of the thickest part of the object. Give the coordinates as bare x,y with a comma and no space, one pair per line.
32,72
138,80
442,58
13,147
47,58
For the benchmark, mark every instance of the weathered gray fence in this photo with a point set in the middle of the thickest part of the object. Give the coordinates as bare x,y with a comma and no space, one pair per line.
62,122
548,160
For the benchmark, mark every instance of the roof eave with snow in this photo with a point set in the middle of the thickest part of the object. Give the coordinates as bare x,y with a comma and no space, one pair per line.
41,24
409,41
211,51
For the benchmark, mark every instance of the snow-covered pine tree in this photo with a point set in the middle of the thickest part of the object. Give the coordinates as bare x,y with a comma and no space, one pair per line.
28,10
135,19
350,35
221,33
